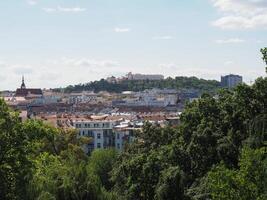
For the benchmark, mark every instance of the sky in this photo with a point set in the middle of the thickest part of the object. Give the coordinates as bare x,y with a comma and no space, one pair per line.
55,43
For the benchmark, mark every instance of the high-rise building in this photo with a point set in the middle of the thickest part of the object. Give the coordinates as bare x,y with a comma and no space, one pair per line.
231,80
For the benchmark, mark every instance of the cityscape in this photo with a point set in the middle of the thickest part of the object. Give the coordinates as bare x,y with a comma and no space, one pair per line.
109,118
133,100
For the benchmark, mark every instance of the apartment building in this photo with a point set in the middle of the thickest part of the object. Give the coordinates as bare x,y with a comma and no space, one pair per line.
100,130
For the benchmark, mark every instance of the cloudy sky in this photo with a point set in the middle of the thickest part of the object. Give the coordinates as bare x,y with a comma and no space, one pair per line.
55,43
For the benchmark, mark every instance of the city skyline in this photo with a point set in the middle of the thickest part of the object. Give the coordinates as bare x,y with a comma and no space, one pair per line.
58,43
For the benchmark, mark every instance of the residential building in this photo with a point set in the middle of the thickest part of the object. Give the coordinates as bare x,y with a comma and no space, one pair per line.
99,129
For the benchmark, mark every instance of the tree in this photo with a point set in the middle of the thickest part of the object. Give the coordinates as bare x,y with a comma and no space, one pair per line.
171,184
149,168
100,164
14,163
248,182
264,53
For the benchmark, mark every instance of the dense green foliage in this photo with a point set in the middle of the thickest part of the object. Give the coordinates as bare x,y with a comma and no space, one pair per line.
249,181
42,162
13,155
179,83
218,152
174,163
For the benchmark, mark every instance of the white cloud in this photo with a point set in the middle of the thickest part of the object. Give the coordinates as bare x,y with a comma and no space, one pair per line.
73,9
241,14
230,41
122,30
165,37
48,10
32,2
65,9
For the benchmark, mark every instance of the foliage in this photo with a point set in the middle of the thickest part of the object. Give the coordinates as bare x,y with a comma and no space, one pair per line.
179,83
247,182
212,131
100,165
14,163
146,169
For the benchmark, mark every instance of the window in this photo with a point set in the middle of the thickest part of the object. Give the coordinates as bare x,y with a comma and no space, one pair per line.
118,136
83,133
99,136
118,146
90,134
85,125
98,145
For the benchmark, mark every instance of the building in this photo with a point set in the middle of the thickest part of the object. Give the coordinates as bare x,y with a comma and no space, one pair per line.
124,134
99,129
231,80
131,76
28,93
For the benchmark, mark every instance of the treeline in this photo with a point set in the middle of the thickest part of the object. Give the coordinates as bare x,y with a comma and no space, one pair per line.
202,85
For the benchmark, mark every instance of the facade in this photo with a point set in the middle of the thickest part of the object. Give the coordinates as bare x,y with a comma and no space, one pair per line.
101,131
124,134
149,98
84,97
131,76
231,80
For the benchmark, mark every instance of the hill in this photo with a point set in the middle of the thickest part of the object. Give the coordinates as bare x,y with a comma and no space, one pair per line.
179,83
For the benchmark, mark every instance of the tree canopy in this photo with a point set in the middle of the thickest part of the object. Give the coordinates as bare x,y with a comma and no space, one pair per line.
179,83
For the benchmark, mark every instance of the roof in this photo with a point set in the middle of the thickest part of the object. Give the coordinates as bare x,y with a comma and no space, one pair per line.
22,92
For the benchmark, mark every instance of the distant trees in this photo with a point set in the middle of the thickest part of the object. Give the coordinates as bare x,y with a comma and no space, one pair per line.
210,86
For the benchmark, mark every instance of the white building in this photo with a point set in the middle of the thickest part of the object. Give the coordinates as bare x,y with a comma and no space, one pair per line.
123,134
131,76
83,97
100,130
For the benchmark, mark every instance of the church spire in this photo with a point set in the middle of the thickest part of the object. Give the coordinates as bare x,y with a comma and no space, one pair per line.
23,84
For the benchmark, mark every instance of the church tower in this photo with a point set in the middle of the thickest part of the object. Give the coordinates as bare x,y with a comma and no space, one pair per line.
23,86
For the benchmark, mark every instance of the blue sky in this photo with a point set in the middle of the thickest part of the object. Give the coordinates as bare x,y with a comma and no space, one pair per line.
60,42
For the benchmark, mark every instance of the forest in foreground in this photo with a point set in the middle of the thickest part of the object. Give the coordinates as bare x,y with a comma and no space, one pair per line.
218,152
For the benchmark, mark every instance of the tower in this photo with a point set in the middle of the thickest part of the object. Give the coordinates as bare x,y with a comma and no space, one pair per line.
23,86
